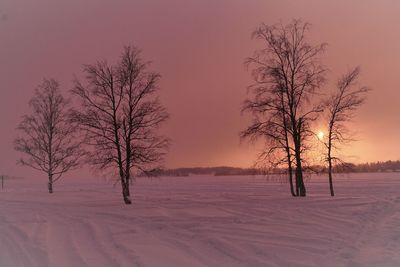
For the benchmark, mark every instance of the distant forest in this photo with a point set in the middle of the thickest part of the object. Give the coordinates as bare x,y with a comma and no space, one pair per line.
380,166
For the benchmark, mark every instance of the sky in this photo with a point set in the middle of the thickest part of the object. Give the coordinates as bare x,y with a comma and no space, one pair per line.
199,47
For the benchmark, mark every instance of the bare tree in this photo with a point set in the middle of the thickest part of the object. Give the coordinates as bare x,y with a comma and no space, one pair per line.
119,115
48,139
287,74
270,123
341,106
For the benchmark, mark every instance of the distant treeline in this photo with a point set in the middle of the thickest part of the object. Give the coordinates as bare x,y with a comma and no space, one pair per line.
380,166
216,171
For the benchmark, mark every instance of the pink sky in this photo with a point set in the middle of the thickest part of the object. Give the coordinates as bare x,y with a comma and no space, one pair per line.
199,48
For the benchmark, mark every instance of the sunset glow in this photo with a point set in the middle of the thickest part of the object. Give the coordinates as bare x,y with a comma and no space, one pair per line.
199,48
320,135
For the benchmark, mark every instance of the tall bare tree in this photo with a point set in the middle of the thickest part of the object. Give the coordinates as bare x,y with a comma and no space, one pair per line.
270,123
341,106
48,139
287,74
119,115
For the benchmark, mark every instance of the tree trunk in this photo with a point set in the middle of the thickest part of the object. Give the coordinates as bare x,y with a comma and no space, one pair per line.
330,178
287,148
330,159
296,134
290,171
128,192
300,187
126,187
125,192
50,184
290,168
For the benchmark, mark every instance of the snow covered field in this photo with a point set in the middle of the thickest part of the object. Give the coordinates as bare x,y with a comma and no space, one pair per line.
201,221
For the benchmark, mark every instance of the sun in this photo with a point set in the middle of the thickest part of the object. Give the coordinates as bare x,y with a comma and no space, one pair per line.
320,135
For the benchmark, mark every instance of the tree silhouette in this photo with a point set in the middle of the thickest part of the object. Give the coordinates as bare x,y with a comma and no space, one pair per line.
287,73
341,106
119,115
48,139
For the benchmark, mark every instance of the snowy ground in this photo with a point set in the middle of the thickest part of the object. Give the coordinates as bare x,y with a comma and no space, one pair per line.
201,221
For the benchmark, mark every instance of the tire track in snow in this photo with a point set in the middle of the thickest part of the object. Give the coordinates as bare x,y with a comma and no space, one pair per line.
17,248
379,241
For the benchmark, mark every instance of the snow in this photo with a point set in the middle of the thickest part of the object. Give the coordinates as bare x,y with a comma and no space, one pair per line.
201,221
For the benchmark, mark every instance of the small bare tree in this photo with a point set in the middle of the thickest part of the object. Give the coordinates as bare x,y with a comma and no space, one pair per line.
48,139
119,115
287,74
341,107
